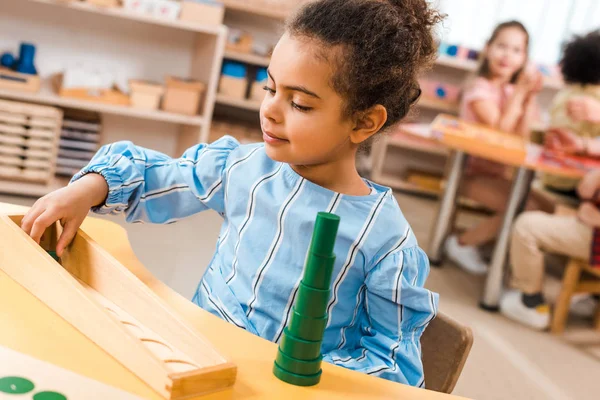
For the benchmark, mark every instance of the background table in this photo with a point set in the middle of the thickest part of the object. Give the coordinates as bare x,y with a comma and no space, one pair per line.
35,330
500,147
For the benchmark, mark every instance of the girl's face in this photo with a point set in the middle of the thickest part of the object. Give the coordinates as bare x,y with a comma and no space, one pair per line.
301,115
507,53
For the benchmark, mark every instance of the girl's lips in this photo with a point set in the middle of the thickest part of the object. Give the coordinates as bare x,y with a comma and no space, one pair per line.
271,139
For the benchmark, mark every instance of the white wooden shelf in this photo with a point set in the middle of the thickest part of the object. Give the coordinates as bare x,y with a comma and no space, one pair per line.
122,13
245,6
46,96
457,63
438,105
245,104
247,58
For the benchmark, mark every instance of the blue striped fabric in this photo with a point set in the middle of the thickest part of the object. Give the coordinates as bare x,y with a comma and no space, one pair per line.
378,309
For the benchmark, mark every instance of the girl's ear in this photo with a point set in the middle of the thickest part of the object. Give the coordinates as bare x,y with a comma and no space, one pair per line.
368,123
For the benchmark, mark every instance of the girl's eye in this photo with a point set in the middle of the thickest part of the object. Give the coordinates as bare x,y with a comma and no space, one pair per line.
301,108
268,89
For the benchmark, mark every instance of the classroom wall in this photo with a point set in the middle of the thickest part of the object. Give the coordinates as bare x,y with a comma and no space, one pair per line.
550,22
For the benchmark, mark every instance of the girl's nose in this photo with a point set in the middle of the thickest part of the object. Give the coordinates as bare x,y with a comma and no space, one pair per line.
271,109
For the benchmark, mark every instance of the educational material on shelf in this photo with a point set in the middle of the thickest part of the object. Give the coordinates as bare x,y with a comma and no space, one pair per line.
81,84
239,41
183,96
25,377
79,140
233,82
28,141
146,95
13,80
207,12
109,305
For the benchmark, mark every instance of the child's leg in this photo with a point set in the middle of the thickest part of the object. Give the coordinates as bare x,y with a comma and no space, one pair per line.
537,232
534,233
492,193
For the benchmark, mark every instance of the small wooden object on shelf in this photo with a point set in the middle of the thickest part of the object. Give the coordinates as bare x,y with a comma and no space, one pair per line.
206,12
233,82
103,3
105,96
28,142
183,96
257,91
13,80
239,41
145,94
104,301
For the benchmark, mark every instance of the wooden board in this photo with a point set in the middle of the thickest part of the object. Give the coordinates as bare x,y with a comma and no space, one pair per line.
109,305
22,377
479,140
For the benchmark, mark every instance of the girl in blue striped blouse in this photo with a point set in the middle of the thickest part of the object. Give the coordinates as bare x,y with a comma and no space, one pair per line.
343,71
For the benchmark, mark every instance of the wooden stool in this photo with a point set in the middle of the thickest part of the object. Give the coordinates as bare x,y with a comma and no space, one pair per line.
579,277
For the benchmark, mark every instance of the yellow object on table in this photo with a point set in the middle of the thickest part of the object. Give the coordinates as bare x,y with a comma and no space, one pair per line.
35,330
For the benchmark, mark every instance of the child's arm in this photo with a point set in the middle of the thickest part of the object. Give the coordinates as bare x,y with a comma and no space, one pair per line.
146,185
530,116
149,186
507,119
584,108
398,309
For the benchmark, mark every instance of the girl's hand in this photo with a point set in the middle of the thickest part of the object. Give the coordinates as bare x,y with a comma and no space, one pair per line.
69,205
584,108
564,140
530,80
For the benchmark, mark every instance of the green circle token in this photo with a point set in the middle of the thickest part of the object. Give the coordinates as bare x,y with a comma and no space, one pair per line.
15,385
48,396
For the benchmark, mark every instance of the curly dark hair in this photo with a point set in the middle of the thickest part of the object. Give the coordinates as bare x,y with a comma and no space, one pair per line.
384,44
580,63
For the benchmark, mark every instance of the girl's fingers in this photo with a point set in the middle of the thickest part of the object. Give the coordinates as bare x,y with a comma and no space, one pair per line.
40,224
68,233
29,218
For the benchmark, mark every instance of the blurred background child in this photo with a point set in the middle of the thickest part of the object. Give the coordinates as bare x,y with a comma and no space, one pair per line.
503,96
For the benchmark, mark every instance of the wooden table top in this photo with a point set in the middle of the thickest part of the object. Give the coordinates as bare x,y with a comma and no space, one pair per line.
501,147
35,330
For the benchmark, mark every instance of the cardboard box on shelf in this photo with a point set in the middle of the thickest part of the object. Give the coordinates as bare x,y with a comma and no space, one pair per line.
257,91
145,94
183,96
233,82
103,3
239,41
13,80
202,11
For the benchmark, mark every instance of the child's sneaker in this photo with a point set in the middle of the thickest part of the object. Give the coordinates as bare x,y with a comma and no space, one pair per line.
512,306
466,257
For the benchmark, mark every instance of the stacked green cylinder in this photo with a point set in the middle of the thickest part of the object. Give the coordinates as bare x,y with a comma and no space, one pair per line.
299,356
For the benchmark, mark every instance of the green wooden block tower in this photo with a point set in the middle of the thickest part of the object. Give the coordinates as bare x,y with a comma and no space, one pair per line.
299,356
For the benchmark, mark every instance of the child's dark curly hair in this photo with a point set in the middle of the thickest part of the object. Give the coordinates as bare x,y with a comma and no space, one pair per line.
580,63
385,45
